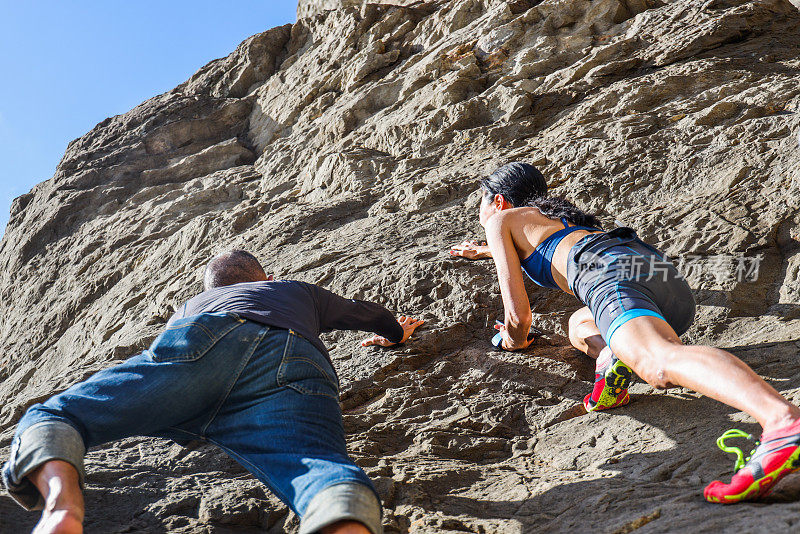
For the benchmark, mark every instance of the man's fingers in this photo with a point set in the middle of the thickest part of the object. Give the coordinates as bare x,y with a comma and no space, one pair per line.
376,340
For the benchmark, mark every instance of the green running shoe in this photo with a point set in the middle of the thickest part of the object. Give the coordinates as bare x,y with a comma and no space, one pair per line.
611,380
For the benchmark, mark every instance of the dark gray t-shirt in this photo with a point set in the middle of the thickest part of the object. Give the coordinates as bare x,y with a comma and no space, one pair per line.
305,308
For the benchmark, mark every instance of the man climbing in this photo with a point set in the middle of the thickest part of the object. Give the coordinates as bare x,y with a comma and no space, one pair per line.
241,366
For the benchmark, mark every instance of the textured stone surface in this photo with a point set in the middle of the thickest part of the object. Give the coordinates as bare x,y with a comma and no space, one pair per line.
345,150
308,8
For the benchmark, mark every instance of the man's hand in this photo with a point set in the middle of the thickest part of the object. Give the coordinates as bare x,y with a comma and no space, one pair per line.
471,250
508,342
409,324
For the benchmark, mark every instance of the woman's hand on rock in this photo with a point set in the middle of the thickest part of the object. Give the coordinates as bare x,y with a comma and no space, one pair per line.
471,250
508,341
409,324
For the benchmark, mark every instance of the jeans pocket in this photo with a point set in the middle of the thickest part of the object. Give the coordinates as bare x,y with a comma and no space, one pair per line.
306,370
189,339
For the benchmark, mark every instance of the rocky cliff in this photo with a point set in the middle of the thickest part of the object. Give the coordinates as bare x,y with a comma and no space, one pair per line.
345,150
307,8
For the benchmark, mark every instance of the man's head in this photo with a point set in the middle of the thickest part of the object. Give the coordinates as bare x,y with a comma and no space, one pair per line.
233,267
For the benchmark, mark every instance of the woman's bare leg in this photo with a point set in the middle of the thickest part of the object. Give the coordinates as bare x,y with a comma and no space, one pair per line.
584,334
63,510
650,347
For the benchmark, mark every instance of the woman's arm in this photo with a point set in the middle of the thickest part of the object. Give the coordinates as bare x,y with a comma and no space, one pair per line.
512,286
471,250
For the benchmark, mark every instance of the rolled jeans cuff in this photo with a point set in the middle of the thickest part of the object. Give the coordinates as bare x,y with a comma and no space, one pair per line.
40,443
345,501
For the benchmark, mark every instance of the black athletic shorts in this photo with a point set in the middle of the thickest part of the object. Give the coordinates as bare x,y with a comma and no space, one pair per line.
619,277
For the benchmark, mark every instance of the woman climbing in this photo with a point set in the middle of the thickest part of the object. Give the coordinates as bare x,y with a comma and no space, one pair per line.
636,306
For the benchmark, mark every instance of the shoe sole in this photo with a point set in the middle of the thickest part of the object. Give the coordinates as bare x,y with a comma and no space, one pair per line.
615,393
763,486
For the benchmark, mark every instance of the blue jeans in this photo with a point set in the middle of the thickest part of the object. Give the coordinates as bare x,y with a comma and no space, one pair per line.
264,395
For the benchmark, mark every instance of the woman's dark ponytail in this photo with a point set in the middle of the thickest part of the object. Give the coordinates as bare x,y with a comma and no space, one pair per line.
522,184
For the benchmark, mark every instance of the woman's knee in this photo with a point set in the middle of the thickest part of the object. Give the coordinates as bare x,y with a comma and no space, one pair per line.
576,320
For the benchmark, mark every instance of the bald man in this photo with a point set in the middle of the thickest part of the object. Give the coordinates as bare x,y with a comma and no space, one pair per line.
241,366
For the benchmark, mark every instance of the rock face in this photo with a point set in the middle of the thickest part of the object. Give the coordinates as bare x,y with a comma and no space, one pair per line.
345,150
307,8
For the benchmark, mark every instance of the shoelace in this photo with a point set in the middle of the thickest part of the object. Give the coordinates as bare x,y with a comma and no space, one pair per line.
740,458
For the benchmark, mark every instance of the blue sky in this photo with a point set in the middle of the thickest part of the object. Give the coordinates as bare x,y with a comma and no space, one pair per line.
67,65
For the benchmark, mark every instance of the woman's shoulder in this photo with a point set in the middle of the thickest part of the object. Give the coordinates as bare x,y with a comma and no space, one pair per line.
520,225
520,216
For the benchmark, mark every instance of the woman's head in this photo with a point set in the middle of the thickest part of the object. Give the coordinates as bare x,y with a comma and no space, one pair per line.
518,184
513,185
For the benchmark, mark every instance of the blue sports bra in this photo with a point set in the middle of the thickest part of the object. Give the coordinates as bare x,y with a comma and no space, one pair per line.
538,266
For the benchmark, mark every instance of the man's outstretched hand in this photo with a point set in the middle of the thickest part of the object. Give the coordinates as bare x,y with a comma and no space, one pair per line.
409,324
471,250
